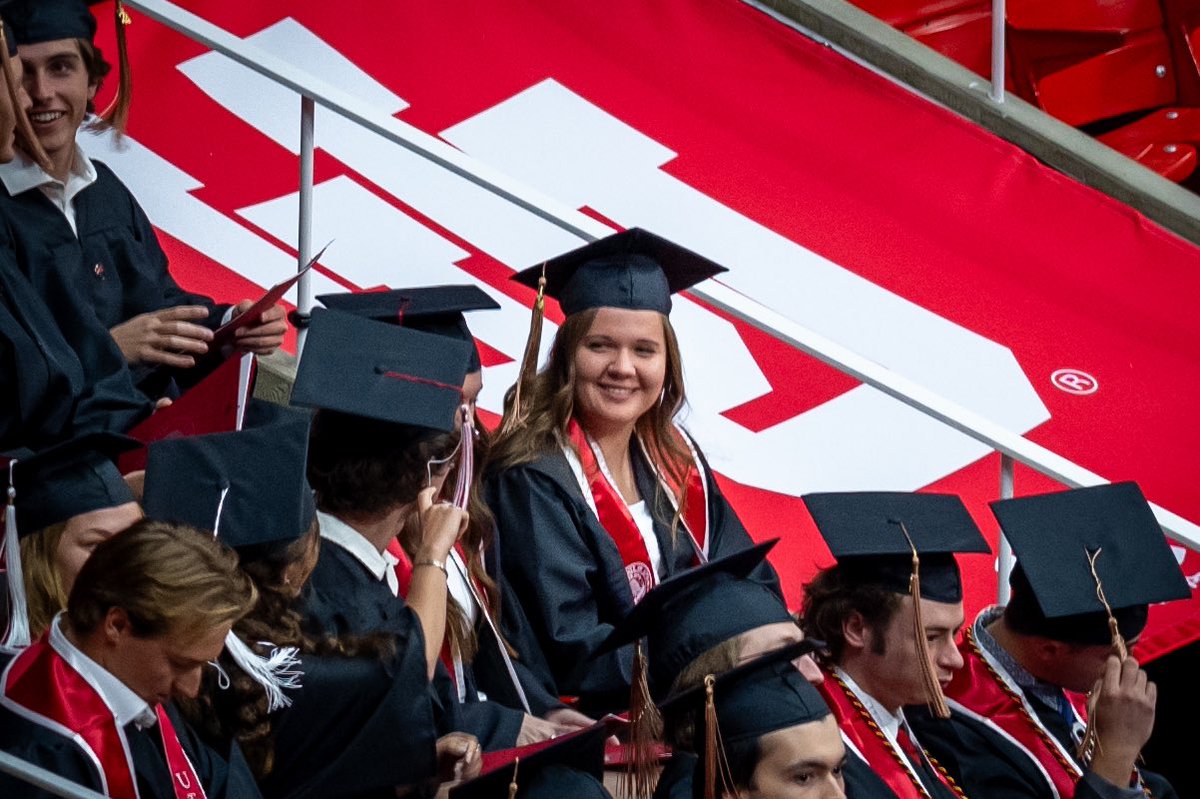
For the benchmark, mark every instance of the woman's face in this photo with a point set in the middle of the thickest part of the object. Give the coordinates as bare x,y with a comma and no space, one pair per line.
83,533
620,366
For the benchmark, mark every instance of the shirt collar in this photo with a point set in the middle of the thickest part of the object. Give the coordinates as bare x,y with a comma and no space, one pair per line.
1044,691
23,173
887,721
126,706
336,531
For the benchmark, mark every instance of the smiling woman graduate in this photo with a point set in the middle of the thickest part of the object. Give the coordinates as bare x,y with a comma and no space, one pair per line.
598,493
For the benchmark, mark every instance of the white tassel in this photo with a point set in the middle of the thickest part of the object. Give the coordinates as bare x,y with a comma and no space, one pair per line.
17,636
466,459
275,673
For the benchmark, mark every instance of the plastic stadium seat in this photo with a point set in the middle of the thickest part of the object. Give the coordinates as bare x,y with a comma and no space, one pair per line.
964,36
1163,141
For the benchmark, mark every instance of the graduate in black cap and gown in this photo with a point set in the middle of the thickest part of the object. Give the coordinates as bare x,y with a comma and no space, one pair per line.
77,232
1091,562
389,426
763,731
889,611
358,725
47,393
598,493
66,500
571,766
477,652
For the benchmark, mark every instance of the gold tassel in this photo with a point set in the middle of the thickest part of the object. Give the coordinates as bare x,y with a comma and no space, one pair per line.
710,740
26,139
512,785
117,113
933,688
1090,743
515,413
645,730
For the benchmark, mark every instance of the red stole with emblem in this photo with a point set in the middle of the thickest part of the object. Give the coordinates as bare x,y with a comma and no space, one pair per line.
690,494
41,686
979,688
870,741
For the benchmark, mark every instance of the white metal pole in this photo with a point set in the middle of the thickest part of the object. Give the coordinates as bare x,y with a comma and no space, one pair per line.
1005,562
304,298
997,92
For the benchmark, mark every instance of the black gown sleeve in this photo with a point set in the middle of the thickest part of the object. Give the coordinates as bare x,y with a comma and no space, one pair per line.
42,748
551,560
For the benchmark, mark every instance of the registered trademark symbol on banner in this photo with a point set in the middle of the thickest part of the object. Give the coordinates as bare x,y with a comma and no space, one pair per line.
1074,381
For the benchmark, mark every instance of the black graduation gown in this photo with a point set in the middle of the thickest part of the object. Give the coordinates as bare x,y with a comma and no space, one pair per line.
358,727
986,764
342,598
47,394
223,778
112,271
569,577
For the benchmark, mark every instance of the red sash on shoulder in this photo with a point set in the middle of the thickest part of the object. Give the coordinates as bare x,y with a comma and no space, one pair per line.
870,741
614,515
979,689
42,687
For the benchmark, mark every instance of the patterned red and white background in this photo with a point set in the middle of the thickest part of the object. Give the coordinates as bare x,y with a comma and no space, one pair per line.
833,195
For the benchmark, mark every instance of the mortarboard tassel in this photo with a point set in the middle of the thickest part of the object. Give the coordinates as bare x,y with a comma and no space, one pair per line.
275,673
933,688
466,459
710,739
17,636
645,729
514,414
27,140
1090,741
512,785
117,113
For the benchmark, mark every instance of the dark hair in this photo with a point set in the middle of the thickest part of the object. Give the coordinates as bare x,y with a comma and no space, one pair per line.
742,756
97,68
832,596
240,711
361,466
1023,615
166,577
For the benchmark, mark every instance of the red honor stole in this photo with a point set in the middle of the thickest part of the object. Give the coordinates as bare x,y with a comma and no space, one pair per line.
984,694
856,723
41,686
616,519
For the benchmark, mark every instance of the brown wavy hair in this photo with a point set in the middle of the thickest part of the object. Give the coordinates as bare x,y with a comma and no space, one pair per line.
833,595
44,588
240,711
551,404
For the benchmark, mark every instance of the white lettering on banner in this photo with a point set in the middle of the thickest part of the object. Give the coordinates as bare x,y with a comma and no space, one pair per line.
570,149
165,191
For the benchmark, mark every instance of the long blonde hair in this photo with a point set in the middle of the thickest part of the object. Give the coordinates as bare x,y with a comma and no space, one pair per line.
551,404
43,583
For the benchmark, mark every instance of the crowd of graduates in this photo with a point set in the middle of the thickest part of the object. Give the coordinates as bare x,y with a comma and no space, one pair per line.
366,593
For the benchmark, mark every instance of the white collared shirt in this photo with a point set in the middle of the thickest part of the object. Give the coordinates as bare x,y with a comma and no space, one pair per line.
382,565
640,512
889,723
22,174
458,583
126,706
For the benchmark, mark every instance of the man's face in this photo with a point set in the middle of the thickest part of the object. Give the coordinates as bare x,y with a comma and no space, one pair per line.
801,762
1076,667
890,661
759,641
162,667
58,84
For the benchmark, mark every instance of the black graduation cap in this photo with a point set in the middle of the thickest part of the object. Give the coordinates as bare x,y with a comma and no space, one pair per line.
685,616
431,309
866,532
248,486
366,368
1056,537
74,477
581,752
634,269
756,698
36,21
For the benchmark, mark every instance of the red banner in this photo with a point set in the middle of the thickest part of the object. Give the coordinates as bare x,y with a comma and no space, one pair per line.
835,196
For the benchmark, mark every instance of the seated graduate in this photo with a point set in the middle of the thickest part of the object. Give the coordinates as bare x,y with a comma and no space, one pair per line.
479,605
361,722
1091,562
47,393
77,232
703,621
390,400
67,500
765,732
598,493
889,611
91,700
571,766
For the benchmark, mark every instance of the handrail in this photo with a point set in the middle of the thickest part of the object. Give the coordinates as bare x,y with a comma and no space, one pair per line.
579,224
46,780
